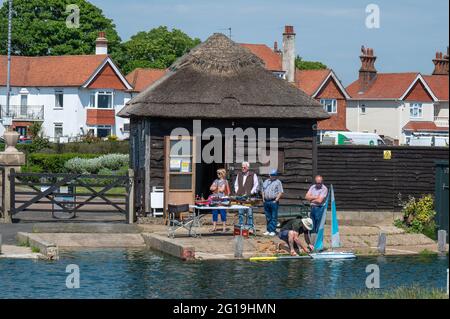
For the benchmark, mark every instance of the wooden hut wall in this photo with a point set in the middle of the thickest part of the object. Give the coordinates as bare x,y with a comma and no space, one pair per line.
364,180
295,144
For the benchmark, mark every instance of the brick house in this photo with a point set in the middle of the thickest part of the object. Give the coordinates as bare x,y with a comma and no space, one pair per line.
400,106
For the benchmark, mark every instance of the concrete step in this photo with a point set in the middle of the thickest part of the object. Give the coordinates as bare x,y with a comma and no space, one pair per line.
97,228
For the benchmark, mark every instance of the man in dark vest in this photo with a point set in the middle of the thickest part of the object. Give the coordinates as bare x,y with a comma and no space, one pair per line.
246,184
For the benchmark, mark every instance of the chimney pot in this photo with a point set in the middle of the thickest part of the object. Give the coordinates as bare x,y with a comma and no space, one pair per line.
289,29
441,64
101,44
367,73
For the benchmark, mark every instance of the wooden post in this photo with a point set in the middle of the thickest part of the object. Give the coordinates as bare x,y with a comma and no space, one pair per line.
382,243
442,241
131,210
239,245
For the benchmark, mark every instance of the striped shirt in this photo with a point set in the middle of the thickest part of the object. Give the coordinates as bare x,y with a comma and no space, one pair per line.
271,189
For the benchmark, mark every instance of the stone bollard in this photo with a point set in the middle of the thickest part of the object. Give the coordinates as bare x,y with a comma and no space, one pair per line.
238,246
442,241
382,243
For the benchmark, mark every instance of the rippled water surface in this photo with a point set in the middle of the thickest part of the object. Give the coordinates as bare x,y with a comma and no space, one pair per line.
146,274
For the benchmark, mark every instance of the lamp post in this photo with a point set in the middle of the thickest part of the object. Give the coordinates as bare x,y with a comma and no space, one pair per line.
8,77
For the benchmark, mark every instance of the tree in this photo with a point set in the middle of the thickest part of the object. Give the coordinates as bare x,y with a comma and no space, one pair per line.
39,28
157,48
308,65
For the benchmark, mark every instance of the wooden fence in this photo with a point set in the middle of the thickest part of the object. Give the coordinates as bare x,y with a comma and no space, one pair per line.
378,178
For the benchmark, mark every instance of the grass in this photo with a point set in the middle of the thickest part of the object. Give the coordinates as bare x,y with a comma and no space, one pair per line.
400,293
427,252
35,250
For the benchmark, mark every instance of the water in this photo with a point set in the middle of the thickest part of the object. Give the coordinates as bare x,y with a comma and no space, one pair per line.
146,274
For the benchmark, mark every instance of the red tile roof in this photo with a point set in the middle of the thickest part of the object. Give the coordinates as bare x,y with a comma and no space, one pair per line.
439,85
310,81
424,126
140,79
50,71
385,86
270,58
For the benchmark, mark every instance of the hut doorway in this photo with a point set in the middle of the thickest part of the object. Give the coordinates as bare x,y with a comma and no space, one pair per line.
207,172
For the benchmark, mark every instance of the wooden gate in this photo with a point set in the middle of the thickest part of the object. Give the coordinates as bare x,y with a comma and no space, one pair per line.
67,196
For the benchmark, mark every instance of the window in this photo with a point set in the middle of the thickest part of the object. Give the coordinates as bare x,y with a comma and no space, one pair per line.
101,100
180,163
363,109
329,105
58,130
104,131
415,110
23,104
59,98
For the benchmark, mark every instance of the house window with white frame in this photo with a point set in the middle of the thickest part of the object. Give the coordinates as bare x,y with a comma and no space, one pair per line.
58,130
101,100
415,110
329,105
59,99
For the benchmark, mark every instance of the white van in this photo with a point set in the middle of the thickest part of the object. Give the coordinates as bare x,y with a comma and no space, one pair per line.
352,138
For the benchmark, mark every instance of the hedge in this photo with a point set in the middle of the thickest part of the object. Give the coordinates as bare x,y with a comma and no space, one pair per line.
51,163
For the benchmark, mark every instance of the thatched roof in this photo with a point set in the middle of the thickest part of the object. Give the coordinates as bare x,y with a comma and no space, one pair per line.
221,79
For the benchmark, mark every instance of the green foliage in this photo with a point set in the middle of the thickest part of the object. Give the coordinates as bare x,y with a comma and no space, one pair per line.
103,165
308,65
99,147
39,28
413,292
35,130
51,163
157,48
418,216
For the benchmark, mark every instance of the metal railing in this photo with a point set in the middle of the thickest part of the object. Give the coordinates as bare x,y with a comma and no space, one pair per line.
441,121
23,112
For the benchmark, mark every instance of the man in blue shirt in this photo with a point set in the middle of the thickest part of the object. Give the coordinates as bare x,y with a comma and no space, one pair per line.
272,192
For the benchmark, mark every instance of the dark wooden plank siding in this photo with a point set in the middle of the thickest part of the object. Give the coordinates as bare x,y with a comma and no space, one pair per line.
363,180
294,139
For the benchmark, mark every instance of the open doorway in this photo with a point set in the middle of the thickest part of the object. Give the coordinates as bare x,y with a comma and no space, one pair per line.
207,173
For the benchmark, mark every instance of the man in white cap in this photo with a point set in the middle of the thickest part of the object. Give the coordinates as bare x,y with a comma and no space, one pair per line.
291,231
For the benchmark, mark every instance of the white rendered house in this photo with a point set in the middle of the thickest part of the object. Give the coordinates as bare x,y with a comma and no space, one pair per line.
71,95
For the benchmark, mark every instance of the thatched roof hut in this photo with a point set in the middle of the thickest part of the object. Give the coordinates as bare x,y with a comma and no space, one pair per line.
221,79
226,87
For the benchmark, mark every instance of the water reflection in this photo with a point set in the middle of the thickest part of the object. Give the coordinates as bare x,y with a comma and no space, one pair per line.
146,274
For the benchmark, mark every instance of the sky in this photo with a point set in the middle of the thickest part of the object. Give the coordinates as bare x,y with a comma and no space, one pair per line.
329,31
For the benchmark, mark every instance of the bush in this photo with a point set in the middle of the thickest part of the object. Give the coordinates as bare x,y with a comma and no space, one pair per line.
418,216
52,163
110,162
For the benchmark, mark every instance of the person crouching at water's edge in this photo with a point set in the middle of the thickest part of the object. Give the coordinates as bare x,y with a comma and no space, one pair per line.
246,184
317,196
220,188
272,192
291,231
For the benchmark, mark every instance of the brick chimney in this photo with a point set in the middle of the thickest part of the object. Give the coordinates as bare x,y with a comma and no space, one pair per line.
275,48
101,44
367,73
289,53
441,63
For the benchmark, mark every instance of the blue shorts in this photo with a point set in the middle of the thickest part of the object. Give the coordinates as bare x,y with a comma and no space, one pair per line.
223,215
284,235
